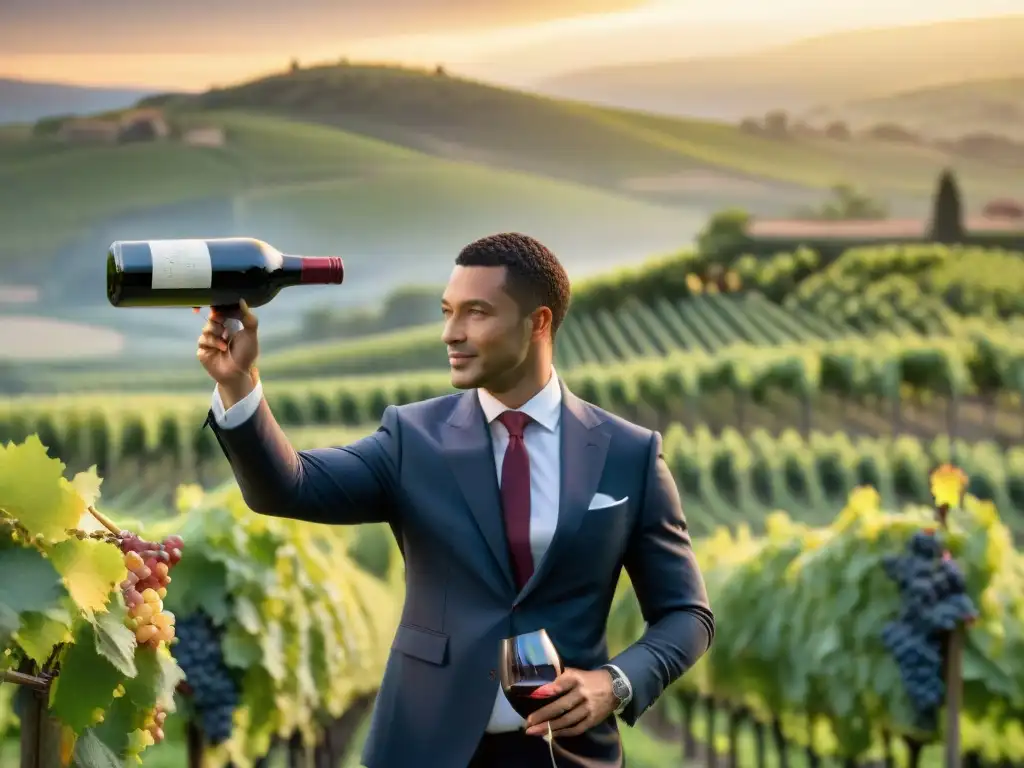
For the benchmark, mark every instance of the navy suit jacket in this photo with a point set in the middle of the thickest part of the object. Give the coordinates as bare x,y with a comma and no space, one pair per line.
428,471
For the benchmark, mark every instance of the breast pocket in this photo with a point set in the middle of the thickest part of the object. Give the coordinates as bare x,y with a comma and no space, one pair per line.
606,524
603,501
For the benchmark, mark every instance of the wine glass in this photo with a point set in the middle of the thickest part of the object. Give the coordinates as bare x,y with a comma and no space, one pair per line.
527,662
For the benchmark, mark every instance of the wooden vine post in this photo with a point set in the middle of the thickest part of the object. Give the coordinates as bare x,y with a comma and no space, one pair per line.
955,638
954,692
40,733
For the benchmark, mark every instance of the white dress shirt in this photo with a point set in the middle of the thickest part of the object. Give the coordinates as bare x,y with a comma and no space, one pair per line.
542,438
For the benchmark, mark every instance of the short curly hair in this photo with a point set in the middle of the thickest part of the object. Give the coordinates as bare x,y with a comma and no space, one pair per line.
534,276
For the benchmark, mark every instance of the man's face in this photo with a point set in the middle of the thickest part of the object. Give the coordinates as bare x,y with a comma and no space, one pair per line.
486,337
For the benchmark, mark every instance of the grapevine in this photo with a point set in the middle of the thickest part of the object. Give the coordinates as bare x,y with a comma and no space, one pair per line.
801,613
64,631
934,601
802,367
278,631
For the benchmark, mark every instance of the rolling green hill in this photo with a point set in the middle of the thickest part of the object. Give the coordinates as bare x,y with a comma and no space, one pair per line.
992,106
826,69
664,160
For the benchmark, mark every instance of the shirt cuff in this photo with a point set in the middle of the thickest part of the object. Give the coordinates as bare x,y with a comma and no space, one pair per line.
238,413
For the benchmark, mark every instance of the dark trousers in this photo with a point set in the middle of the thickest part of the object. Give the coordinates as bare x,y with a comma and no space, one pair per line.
599,749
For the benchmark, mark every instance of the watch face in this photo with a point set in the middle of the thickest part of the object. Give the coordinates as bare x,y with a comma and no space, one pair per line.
619,688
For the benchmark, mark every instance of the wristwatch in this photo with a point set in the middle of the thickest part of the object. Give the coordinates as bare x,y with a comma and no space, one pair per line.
621,688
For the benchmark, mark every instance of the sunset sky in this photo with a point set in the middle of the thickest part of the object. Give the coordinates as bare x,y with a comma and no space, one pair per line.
193,44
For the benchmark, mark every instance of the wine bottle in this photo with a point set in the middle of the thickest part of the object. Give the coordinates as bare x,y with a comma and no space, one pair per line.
217,273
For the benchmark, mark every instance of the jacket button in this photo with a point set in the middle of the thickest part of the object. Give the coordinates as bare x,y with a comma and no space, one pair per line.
491,674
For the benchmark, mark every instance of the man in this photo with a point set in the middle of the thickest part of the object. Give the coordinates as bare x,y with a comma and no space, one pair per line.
516,505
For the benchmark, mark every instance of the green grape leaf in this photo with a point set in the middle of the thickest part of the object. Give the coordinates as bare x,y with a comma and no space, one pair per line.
262,548
258,697
87,485
28,582
90,569
9,622
40,632
320,658
91,752
199,584
114,641
158,675
241,649
122,717
247,615
272,644
33,490
171,676
86,681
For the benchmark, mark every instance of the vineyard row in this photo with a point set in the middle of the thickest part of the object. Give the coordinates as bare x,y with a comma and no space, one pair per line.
104,429
733,479
297,637
968,282
631,332
783,299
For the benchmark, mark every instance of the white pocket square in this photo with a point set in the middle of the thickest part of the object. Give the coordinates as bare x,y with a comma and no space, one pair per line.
602,500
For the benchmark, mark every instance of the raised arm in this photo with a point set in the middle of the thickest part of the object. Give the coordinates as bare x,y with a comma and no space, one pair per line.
350,484
340,485
670,589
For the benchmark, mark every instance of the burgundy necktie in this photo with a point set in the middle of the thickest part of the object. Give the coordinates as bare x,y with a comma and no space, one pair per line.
515,495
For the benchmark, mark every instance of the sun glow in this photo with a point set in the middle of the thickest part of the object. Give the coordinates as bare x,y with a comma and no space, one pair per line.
659,29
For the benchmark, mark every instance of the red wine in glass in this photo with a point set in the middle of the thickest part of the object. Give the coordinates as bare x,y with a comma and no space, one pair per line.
527,662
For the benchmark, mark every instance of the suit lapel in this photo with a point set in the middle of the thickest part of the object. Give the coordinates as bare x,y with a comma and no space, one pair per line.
467,446
583,453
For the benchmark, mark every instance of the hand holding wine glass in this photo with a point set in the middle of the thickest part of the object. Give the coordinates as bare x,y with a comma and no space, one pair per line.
552,699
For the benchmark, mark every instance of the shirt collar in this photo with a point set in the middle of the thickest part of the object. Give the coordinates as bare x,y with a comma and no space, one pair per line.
544,407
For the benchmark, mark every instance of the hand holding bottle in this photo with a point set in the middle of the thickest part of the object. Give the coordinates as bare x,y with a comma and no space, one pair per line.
228,356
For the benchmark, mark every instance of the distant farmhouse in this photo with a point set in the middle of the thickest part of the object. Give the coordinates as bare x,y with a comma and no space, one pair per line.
1000,224
134,125
210,136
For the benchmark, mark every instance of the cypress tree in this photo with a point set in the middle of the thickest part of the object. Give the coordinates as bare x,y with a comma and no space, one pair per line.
947,211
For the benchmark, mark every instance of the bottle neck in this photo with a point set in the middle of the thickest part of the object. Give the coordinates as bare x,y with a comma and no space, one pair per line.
311,270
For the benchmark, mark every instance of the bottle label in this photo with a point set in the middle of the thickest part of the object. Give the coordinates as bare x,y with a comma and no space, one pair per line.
181,264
